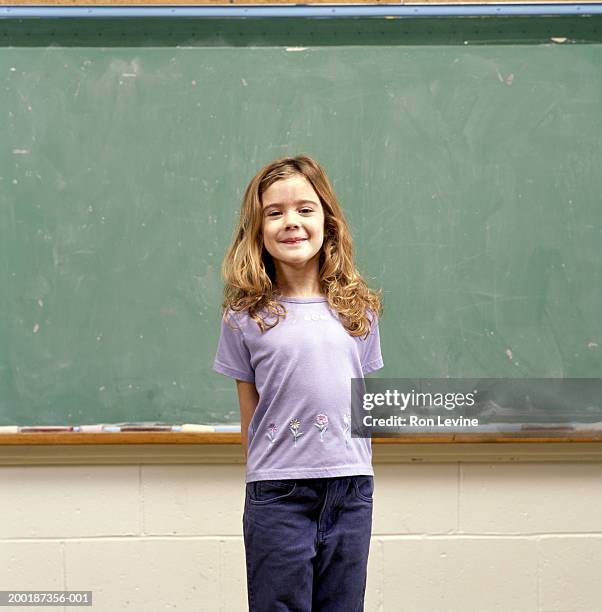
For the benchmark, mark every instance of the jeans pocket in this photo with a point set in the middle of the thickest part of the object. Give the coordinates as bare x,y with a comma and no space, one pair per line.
268,491
364,487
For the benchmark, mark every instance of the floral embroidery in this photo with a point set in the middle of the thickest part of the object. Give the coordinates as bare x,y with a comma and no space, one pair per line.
272,429
294,428
346,428
322,424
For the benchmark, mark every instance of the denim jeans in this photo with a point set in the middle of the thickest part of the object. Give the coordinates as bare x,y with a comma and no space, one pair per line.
307,543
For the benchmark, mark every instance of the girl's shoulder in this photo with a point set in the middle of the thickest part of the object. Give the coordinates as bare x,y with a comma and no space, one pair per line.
371,314
235,318
242,319
256,322
372,317
232,321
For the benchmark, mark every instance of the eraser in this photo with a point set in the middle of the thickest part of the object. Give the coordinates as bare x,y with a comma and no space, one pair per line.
45,428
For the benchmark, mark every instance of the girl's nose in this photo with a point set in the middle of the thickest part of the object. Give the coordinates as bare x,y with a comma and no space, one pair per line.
291,221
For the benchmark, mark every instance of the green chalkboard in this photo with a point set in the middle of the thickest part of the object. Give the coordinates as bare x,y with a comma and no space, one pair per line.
466,152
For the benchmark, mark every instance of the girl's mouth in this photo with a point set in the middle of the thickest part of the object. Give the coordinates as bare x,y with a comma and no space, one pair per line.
296,241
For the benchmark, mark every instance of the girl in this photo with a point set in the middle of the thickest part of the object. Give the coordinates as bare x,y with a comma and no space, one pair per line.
299,322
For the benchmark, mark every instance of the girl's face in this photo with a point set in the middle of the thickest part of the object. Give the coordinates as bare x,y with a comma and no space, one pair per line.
293,221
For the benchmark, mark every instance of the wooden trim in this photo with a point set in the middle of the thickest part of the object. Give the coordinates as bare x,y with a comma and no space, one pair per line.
164,448
143,448
510,452
170,438
220,453
130,437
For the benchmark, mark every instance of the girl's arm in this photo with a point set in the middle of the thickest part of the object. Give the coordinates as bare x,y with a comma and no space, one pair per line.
248,399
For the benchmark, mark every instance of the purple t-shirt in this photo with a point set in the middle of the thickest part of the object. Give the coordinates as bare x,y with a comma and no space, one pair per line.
302,369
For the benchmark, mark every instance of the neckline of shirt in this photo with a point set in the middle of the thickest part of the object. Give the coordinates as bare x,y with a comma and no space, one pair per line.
302,300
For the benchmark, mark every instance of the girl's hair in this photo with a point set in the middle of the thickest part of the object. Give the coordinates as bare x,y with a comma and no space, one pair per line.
248,269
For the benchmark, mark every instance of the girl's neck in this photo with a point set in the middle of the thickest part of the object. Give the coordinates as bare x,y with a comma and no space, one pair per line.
299,291
297,283
298,294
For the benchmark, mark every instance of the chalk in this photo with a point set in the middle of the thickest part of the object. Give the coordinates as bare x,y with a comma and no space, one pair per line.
143,427
9,429
88,428
190,427
224,428
136,426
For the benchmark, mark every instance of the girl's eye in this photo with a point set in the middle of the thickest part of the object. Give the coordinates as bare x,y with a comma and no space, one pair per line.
305,210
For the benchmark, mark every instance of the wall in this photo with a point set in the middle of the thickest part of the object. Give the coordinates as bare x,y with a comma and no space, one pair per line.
458,535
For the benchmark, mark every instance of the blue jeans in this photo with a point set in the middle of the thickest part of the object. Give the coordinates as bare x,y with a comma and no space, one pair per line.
307,543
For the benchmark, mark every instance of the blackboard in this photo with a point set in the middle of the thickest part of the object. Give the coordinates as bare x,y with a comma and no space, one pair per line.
466,153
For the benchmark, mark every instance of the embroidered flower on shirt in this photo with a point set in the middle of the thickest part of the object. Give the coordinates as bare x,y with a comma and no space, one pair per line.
322,424
294,428
272,429
347,428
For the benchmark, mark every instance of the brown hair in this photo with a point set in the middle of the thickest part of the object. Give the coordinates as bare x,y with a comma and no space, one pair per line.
248,269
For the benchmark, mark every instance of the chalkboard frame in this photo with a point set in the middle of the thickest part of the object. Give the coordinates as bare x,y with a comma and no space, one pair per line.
45,32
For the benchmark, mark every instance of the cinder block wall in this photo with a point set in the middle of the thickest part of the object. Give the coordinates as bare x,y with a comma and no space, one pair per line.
459,537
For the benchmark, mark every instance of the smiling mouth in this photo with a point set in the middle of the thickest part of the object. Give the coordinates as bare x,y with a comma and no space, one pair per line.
296,241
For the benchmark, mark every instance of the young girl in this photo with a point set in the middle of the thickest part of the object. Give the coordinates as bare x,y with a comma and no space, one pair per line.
299,322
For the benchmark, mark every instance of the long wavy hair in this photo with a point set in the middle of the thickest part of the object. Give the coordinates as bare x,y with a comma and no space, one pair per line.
249,272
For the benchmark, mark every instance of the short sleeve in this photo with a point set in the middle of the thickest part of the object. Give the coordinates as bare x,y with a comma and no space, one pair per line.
371,357
233,358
